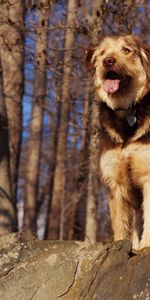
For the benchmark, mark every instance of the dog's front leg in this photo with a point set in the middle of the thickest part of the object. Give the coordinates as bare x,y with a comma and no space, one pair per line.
137,231
145,241
121,215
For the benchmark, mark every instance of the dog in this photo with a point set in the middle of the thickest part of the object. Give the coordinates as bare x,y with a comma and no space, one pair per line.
121,72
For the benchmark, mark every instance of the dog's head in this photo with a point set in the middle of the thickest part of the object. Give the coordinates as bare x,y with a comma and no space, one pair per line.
121,68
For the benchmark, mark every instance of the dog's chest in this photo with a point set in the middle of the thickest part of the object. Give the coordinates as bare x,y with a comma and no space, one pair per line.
122,165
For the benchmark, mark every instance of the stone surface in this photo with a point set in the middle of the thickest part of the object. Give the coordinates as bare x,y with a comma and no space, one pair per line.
49,270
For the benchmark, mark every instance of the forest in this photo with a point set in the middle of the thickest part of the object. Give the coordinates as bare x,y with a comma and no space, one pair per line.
49,114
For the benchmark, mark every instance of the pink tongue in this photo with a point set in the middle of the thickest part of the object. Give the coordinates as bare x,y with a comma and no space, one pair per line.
111,85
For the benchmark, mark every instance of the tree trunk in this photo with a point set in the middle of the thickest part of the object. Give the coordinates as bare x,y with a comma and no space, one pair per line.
7,207
11,42
93,187
54,129
34,143
76,222
56,222
93,179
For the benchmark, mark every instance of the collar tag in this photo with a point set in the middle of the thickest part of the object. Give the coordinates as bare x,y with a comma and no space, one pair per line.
131,120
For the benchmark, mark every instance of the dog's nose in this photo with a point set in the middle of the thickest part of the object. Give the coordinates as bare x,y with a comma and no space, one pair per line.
109,61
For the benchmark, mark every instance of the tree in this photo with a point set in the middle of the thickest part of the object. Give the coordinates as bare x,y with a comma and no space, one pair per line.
7,205
80,194
12,57
93,185
56,221
34,142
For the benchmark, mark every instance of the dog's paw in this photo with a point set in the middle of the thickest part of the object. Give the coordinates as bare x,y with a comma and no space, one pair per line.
135,248
135,241
144,245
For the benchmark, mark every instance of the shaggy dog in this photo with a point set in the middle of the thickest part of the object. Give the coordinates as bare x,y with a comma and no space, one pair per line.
121,68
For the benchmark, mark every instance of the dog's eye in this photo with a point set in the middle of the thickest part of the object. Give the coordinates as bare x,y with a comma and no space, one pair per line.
102,52
126,50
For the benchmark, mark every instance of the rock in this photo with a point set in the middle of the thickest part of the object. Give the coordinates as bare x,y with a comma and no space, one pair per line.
71,270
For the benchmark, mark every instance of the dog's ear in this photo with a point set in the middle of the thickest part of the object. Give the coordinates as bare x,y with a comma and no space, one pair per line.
144,52
145,55
90,62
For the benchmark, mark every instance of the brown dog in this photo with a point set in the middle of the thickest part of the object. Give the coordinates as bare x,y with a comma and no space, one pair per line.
121,68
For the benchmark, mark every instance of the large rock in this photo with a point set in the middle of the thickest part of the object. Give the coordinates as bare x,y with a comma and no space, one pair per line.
47,270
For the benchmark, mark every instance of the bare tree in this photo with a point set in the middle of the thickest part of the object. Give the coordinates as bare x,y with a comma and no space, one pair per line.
7,205
80,194
34,142
54,129
57,206
93,186
12,56
93,183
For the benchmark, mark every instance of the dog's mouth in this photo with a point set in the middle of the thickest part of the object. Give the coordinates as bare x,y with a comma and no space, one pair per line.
115,81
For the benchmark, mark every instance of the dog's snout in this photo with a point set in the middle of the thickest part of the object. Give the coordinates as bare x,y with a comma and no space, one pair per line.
109,61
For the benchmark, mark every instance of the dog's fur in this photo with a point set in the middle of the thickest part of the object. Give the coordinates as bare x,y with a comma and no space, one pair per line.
121,69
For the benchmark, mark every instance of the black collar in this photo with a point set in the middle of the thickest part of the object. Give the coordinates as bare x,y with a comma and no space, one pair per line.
130,114
131,109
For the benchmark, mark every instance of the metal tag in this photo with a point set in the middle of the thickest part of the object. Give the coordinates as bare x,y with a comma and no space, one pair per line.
131,120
